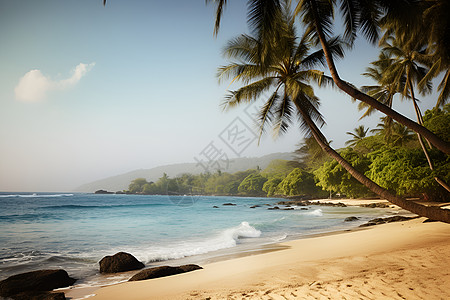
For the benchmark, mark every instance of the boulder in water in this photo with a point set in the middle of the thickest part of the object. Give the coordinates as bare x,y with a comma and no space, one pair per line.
119,262
36,281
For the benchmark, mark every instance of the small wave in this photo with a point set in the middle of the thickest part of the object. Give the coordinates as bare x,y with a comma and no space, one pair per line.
279,238
35,195
226,239
316,213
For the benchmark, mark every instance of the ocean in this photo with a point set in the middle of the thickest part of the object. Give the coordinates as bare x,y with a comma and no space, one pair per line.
74,231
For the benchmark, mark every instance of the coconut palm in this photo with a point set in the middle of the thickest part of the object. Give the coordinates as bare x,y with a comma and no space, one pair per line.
358,134
318,15
364,16
395,134
286,81
383,91
405,70
401,135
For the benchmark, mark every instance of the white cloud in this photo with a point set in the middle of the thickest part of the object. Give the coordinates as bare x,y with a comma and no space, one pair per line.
33,86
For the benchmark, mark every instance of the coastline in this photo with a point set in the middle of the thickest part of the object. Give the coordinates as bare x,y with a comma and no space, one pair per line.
397,260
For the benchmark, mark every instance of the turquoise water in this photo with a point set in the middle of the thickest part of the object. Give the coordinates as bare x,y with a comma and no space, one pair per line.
74,231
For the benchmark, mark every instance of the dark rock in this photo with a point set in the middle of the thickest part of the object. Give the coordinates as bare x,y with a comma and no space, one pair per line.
215,206
255,206
307,202
119,262
229,204
288,208
304,208
103,192
42,280
429,221
272,208
378,221
39,296
163,271
375,205
189,268
351,219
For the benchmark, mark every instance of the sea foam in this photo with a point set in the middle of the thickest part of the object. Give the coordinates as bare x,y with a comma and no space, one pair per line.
316,213
228,238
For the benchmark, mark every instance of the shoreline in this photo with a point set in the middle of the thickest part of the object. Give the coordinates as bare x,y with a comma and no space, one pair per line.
285,271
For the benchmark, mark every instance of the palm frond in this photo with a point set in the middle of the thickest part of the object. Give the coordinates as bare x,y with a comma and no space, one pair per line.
444,87
247,93
243,48
282,116
239,72
265,115
325,12
336,48
220,6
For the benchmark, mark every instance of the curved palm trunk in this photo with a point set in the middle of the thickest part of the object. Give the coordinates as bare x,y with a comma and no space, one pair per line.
440,181
353,92
431,212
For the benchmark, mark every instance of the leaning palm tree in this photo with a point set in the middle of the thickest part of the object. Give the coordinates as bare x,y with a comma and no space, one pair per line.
318,16
405,71
358,134
365,16
286,80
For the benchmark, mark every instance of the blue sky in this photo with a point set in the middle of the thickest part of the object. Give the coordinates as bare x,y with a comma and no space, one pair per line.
88,92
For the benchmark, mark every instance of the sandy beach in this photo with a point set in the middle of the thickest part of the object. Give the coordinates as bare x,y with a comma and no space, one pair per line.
407,260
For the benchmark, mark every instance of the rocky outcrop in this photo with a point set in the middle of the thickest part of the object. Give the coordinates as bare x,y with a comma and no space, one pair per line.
229,204
307,203
32,284
378,221
163,271
119,262
375,205
103,192
351,219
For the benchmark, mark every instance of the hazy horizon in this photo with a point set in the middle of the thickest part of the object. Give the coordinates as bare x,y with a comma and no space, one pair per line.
89,92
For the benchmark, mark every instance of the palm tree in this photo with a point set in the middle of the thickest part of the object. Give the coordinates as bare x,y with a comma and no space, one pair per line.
404,71
382,91
401,135
365,16
395,134
318,15
286,78
358,134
